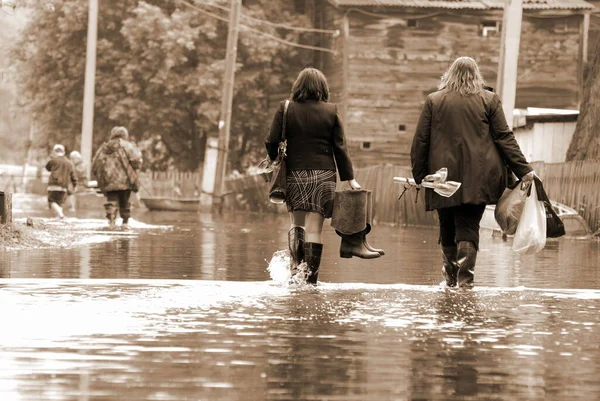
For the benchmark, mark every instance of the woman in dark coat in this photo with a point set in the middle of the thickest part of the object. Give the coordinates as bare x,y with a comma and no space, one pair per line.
463,128
315,146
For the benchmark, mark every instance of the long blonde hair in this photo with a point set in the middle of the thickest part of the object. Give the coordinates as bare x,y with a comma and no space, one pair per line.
463,77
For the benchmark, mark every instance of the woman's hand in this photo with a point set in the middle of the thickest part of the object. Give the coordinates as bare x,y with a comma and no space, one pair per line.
529,176
353,184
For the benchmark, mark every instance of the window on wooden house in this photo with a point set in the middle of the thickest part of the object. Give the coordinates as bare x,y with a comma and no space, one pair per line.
489,27
412,23
365,145
402,128
561,27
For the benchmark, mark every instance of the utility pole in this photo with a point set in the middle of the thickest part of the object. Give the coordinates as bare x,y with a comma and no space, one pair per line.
226,101
87,126
509,56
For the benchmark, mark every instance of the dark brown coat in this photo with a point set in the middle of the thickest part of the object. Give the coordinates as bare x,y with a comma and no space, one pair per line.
470,137
315,138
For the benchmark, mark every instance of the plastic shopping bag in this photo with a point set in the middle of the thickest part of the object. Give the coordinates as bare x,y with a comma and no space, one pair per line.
531,231
510,207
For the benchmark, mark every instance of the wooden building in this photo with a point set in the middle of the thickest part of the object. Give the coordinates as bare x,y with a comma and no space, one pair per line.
545,137
391,53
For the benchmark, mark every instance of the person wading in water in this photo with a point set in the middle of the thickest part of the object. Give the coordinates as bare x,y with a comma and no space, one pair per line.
315,146
462,127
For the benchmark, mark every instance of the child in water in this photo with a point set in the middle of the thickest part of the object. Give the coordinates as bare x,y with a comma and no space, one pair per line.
61,172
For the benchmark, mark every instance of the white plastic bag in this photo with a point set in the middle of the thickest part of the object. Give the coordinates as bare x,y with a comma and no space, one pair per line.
530,236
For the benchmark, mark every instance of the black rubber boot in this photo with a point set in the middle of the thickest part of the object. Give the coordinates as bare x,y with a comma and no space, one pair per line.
312,256
450,268
466,258
296,245
354,245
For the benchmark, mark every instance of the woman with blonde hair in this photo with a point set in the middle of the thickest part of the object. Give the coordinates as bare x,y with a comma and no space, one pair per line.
316,146
462,127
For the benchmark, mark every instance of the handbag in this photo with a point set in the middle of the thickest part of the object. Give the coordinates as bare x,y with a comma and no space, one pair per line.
274,171
554,225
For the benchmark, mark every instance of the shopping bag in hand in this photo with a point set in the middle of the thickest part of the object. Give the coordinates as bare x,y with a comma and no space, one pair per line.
554,225
510,207
530,236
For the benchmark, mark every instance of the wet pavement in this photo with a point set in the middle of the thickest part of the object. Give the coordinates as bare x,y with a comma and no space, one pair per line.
190,312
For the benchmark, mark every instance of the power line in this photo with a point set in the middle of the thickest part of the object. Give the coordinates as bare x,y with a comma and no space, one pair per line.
203,11
259,32
287,42
334,32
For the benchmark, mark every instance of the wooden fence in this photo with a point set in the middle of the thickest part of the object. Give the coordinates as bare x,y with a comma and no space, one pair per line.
171,183
575,184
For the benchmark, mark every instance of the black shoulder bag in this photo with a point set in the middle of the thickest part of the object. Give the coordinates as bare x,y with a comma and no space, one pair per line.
276,172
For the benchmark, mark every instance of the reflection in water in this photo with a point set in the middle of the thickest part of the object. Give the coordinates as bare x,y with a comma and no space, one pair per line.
217,340
190,313
238,247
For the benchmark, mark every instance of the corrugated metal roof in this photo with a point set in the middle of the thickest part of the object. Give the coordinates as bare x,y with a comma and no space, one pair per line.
469,4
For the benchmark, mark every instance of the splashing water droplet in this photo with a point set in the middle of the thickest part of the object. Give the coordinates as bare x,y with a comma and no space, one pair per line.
280,269
279,266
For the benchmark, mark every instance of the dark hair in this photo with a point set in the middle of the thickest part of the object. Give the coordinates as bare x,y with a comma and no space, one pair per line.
310,84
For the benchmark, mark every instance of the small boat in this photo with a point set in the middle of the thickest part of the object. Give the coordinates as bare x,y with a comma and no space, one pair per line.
575,225
172,204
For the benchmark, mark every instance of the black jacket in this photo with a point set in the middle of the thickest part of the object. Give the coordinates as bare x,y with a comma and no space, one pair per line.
315,138
469,136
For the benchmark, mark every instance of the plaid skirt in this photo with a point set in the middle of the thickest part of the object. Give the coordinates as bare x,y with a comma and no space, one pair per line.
311,191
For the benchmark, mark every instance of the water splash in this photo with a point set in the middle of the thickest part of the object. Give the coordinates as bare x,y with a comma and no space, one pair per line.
280,269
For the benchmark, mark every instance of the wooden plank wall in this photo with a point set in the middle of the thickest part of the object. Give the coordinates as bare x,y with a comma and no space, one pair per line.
392,67
549,62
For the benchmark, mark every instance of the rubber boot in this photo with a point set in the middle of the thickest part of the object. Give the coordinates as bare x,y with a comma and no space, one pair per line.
466,258
111,214
354,245
449,268
370,223
296,246
312,256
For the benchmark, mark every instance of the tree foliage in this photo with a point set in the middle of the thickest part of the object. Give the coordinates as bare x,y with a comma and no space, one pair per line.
14,120
585,144
159,72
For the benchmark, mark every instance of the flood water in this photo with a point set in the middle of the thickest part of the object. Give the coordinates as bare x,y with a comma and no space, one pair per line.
190,313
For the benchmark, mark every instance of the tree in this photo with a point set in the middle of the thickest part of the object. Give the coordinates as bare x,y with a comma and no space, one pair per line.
159,70
585,144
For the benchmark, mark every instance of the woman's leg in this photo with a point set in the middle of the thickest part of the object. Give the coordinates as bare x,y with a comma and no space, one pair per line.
314,227
298,218
467,219
313,247
448,242
296,237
